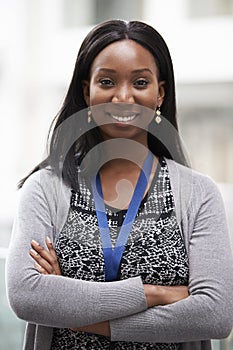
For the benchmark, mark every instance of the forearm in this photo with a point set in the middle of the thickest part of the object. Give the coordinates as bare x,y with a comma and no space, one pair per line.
64,302
188,320
193,318
155,295
58,301
206,314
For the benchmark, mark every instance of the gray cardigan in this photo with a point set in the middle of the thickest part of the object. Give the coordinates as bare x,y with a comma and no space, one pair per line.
47,301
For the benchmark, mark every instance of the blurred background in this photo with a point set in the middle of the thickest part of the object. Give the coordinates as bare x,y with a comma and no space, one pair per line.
39,40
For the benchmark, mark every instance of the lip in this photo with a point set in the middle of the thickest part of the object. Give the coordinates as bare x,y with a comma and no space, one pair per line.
124,118
122,112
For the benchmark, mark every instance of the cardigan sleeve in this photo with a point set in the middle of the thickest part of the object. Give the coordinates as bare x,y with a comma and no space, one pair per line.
50,300
208,312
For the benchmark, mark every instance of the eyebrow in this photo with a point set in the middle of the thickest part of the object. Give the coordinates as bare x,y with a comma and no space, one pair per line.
109,70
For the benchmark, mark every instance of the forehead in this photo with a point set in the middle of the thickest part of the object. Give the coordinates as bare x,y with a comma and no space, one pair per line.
124,54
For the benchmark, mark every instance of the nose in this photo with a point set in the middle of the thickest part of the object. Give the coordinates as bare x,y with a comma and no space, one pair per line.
124,94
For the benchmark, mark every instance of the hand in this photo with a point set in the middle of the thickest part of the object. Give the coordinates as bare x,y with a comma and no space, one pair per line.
163,295
46,260
102,328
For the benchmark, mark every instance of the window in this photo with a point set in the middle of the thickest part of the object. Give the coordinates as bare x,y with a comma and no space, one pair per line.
121,9
209,8
90,12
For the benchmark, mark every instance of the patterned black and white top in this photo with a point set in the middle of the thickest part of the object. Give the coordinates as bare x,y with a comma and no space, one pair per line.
155,250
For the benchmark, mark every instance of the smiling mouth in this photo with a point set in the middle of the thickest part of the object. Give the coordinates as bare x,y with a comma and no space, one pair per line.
124,119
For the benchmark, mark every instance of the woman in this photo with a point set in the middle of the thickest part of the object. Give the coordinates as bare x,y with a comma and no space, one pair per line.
142,257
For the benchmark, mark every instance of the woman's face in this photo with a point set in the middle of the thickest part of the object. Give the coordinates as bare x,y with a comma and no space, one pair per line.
123,80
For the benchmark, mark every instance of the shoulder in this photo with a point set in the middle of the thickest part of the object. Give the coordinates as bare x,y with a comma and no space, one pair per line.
44,184
186,176
35,178
39,181
192,187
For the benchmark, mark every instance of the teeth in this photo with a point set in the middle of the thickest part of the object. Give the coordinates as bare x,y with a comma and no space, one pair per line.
123,119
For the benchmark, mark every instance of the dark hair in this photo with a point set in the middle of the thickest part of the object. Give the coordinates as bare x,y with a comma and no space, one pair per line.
98,38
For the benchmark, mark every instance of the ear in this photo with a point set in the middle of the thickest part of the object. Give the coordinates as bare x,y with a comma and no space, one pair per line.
161,93
86,91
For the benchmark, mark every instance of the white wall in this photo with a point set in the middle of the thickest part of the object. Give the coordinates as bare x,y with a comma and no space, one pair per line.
37,59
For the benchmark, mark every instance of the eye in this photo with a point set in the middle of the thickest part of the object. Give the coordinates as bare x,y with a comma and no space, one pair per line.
106,82
141,83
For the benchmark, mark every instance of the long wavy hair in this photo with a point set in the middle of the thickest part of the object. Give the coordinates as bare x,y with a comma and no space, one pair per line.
60,153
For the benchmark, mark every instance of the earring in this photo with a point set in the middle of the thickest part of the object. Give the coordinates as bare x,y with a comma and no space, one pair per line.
158,113
89,115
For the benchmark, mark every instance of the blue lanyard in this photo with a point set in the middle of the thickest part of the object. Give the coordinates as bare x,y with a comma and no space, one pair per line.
112,256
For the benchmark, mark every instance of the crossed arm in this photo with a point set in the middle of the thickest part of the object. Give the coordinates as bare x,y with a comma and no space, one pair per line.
135,312
46,263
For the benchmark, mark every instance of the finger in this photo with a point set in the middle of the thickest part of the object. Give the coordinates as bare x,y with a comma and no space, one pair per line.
50,247
43,263
40,269
54,255
48,258
44,253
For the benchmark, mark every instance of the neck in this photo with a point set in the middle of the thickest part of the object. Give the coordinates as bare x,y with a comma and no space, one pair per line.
124,153
119,178
121,165
140,138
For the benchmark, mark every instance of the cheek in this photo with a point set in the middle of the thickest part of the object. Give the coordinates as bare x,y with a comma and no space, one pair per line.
98,110
96,99
97,95
148,97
